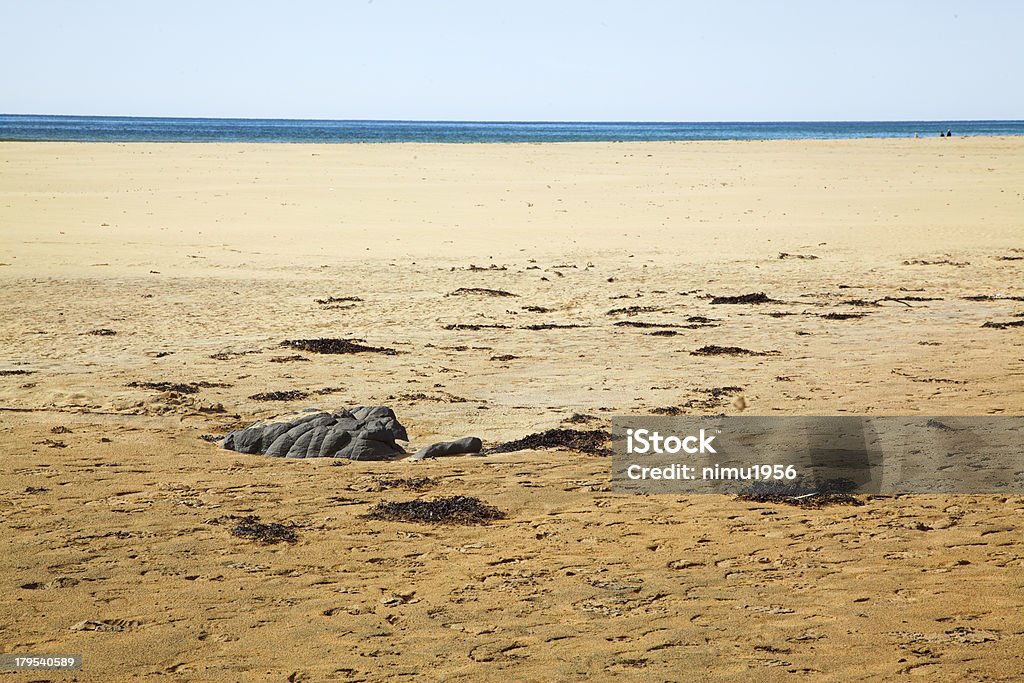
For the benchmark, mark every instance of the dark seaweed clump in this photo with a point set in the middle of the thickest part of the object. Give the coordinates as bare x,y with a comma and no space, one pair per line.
755,298
252,528
843,316
463,291
178,387
454,510
799,494
337,299
714,350
293,395
551,326
11,373
337,346
594,442
409,483
1002,326
102,332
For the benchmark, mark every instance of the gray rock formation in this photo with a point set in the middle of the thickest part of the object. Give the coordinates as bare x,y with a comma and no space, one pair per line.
363,433
469,444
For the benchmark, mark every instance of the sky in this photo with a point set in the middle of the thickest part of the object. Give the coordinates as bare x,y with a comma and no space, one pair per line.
543,60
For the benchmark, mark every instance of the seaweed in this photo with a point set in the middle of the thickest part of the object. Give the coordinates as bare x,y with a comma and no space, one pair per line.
482,291
536,309
808,257
504,357
465,510
844,316
337,299
632,310
178,387
1002,326
474,326
336,346
593,442
250,527
9,373
102,332
293,395
288,359
989,297
715,350
755,298
551,326
408,483
799,494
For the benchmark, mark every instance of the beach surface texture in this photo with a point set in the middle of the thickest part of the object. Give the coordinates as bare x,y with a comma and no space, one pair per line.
156,297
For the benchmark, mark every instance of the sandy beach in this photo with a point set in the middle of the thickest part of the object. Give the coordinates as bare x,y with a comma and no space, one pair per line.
519,286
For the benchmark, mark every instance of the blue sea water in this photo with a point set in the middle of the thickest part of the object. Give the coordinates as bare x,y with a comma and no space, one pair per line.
133,129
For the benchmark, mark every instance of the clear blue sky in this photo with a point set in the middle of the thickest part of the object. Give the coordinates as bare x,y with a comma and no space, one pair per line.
524,60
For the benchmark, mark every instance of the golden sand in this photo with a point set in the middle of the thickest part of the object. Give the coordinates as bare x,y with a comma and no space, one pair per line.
202,258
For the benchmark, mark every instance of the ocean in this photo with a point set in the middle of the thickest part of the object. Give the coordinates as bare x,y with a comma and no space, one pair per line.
134,129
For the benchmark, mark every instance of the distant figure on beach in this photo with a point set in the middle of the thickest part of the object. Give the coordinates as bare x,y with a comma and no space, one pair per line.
949,133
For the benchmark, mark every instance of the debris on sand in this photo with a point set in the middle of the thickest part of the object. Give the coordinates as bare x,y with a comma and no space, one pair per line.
362,433
936,424
11,373
663,333
551,326
632,310
482,269
715,350
844,316
178,387
474,326
337,300
581,418
988,297
671,411
288,359
293,395
939,262
250,527
823,494
211,438
407,483
230,355
1003,325
536,309
504,357
480,291
336,346
808,257
51,443
60,429
755,298
643,325
102,332
593,442
454,510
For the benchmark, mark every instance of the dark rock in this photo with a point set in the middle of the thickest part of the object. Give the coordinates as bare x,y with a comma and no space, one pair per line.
469,444
363,433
